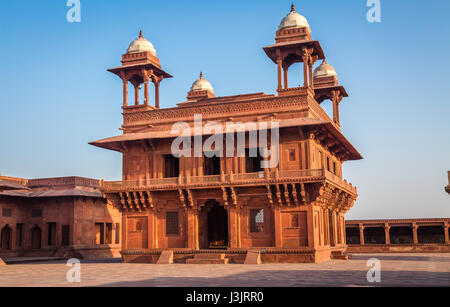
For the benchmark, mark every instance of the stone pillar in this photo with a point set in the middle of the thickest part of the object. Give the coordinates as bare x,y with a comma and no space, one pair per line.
136,94
155,229
337,112
335,99
146,93
333,231
157,94
310,67
386,234
277,226
239,212
279,68
233,227
361,234
335,107
305,71
414,229
192,229
125,93
231,211
447,241
285,71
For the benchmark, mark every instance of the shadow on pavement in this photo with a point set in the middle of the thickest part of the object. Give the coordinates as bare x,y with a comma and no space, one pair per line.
308,278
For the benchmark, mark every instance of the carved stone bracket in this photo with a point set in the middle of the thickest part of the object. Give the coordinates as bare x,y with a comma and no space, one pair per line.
269,195
224,196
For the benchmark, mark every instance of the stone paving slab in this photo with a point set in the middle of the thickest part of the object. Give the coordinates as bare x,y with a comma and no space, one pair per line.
396,270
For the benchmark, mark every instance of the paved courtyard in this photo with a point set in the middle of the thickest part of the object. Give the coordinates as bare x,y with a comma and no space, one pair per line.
396,270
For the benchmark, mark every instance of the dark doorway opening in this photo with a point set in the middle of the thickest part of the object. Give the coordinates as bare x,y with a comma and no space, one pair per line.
211,164
374,235
431,234
65,235
171,166
352,235
401,235
6,237
253,160
217,227
51,234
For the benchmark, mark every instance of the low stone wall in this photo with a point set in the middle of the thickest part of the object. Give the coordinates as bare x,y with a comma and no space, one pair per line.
399,248
80,252
268,255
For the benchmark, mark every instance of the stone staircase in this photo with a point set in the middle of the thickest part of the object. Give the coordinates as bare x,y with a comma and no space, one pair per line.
340,255
212,258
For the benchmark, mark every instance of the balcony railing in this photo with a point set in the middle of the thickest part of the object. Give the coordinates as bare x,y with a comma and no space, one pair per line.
232,179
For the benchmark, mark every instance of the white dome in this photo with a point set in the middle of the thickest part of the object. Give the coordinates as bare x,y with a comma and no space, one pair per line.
324,70
140,44
201,84
293,20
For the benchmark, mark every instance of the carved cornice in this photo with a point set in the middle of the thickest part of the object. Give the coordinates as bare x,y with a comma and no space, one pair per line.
266,105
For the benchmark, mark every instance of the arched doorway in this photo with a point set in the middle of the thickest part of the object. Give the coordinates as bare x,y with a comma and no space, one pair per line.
36,237
217,226
6,237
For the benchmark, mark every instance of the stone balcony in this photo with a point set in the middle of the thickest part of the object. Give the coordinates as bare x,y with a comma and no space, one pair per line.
217,181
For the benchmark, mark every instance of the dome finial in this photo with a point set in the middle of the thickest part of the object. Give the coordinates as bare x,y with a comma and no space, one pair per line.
324,70
140,44
201,84
293,20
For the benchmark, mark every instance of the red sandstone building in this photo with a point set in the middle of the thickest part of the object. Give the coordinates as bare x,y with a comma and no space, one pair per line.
293,211
208,206
62,217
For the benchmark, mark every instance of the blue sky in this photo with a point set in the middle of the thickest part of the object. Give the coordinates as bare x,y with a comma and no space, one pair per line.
56,95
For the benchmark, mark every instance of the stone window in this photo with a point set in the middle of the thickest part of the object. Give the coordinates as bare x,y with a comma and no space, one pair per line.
294,220
108,233
138,226
172,226
7,212
256,220
36,213
99,233
291,154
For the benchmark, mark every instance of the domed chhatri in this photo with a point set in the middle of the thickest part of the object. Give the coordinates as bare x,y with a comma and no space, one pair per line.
141,44
201,84
293,20
324,70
